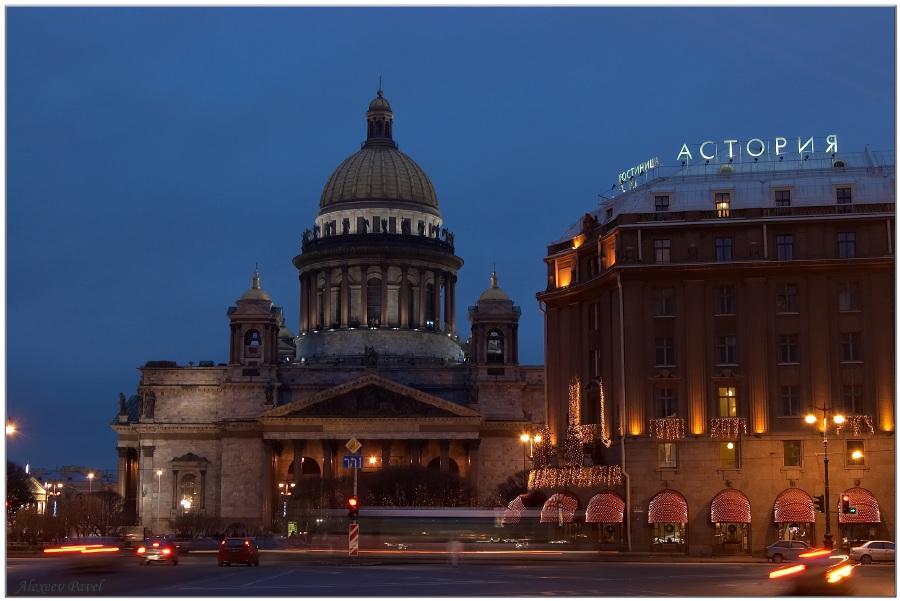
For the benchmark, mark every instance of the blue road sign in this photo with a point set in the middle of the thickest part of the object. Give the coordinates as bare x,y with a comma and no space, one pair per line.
354,462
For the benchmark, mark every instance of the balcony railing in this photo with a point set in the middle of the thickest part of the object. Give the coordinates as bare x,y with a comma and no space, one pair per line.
727,427
856,424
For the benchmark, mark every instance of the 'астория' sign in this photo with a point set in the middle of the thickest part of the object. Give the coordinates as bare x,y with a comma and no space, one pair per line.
756,147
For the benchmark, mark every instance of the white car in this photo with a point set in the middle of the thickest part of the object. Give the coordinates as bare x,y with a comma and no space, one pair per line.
873,550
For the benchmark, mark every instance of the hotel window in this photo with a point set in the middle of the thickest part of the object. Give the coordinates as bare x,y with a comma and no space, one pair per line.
667,455
665,352
848,296
663,251
727,401
592,266
666,405
725,304
726,350
786,298
844,198
788,351
729,456
846,245
853,399
594,363
662,207
856,452
790,401
609,214
784,245
663,302
783,202
723,249
850,346
723,204
792,453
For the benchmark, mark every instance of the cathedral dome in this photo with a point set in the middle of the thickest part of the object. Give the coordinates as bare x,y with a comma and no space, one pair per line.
379,172
494,292
255,293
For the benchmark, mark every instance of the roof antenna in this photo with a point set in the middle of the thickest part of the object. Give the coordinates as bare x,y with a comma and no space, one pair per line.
380,92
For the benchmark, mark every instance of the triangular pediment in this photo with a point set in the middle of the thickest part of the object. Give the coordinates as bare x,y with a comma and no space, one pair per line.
371,397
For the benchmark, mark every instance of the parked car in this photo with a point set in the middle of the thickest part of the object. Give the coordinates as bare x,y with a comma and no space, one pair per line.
873,550
786,550
238,550
162,550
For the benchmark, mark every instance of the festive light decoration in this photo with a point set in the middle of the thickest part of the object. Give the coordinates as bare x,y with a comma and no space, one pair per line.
727,427
667,428
604,438
543,448
558,477
855,422
559,508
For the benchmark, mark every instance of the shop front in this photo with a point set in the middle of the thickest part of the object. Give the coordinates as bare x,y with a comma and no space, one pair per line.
730,515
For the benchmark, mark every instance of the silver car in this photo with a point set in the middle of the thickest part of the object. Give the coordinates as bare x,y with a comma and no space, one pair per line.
873,550
787,550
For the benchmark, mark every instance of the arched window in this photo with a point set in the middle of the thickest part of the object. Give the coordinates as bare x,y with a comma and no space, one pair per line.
495,347
252,338
189,491
373,301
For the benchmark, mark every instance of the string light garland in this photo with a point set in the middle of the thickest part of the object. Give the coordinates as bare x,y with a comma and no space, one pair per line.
559,477
667,428
727,427
856,422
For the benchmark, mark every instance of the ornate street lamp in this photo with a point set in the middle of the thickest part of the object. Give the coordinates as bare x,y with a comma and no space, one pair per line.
530,439
838,419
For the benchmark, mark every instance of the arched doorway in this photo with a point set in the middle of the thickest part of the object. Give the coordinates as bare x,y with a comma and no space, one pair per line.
668,516
862,525
606,512
730,515
795,515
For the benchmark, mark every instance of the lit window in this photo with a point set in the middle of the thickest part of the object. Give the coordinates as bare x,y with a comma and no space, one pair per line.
667,455
792,453
846,245
723,204
727,401
729,455
856,452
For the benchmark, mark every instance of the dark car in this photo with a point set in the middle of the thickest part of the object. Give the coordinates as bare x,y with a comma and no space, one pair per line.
786,550
161,550
238,550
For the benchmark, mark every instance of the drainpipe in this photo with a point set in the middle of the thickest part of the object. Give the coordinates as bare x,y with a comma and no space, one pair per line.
622,409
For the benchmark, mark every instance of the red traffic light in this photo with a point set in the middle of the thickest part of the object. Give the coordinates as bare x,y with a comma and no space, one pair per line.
845,504
353,502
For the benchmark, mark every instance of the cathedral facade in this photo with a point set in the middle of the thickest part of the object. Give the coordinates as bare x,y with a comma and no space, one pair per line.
376,371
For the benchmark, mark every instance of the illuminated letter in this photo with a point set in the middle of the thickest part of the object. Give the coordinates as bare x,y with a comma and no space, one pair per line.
731,144
703,154
832,143
779,144
762,147
801,146
684,153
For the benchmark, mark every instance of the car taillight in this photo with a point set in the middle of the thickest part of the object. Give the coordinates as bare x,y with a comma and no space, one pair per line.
787,571
817,553
142,549
166,551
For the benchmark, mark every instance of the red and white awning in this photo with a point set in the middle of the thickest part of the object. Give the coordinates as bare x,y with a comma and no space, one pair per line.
605,507
668,506
867,511
794,505
513,513
559,508
730,506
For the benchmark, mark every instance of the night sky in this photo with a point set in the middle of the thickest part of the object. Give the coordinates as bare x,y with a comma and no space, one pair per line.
156,156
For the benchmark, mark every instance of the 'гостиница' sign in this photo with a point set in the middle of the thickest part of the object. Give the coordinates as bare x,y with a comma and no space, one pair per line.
757,147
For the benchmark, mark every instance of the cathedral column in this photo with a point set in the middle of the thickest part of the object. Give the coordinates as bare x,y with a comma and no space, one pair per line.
328,447
422,296
364,295
299,446
385,454
326,298
270,457
447,286
345,297
313,291
445,455
471,447
452,303
437,299
202,489
304,303
174,491
384,294
122,484
415,453
403,297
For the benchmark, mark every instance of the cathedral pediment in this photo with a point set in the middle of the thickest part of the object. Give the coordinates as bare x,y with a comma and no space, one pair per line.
371,397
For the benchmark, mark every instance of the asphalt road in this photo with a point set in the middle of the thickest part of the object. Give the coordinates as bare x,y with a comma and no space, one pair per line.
283,574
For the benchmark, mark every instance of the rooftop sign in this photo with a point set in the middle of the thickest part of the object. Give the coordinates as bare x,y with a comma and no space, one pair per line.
757,147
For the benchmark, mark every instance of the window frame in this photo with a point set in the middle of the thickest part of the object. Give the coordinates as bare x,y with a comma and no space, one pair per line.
788,349
790,293
662,251
734,451
851,347
852,446
848,296
725,300
799,453
722,202
726,404
784,247
726,350
664,355
665,402
667,455
724,249
663,302
846,242
789,401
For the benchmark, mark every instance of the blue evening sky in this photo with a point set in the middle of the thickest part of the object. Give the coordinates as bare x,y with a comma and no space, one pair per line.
156,155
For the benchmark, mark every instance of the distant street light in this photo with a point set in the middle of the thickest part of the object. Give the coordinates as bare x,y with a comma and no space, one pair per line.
159,474
10,428
91,483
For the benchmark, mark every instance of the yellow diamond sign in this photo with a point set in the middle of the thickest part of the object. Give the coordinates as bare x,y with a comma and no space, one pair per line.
354,445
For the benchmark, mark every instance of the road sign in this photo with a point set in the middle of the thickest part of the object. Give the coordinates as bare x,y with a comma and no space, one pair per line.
353,462
354,540
354,445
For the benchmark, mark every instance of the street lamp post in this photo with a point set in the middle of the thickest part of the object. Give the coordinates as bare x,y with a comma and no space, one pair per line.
159,474
838,419
91,483
530,439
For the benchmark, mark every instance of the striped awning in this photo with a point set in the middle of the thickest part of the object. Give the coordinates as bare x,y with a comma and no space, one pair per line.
668,506
730,506
867,511
558,508
607,507
513,513
794,505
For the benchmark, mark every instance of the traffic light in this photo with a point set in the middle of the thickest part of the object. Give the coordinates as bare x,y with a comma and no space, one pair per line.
845,504
353,507
820,503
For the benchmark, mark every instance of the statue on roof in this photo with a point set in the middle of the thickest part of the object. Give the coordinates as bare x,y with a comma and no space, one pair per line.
122,410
